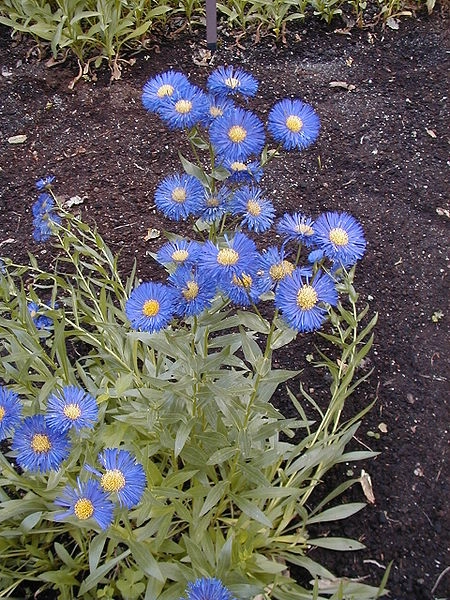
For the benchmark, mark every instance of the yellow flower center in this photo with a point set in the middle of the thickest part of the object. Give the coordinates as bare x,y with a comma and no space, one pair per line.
238,166
294,123
227,256
338,236
279,271
253,208
2,413
212,202
83,509
232,82
183,106
304,229
165,90
307,297
180,255
179,194
190,292
72,411
113,480
243,280
40,443
237,134
215,111
150,308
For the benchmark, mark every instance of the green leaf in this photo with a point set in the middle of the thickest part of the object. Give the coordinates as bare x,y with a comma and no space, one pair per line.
337,512
214,496
336,543
251,510
97,575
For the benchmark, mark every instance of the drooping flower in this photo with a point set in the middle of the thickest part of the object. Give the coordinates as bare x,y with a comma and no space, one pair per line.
207,589
179,196
185,108
231,80
40,319
150,306
38,447
215,205
297,227
86,501
245,288
257,210
217,107
45,217
195,291
10,412
237,135
160,88
233,257
340,236
243,172
274,264
45,182
71,407
179,253
303,300
123,476
293,124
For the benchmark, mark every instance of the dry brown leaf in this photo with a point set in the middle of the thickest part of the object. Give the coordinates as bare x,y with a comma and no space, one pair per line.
431,133
366,484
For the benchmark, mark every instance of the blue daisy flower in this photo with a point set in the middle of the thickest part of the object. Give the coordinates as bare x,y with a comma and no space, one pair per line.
10,412
179,253
86,501
293,124
207,589
297,227
215,204
185,108
274,265
45,217
257,210
303,300
232,80
217,107
42,184
245,288
233,257
179,196
123,476
150,306
341,237
38,447
237,135
41,321
71,407
160,88
243,172
315,256
195,292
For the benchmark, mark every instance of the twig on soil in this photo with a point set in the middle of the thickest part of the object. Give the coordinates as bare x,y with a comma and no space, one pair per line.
438,580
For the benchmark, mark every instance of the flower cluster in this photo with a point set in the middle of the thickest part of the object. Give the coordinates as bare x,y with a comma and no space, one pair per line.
207,589
44,212
230,200
42,442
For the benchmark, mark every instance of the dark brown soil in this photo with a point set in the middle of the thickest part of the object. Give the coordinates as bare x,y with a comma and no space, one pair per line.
382,155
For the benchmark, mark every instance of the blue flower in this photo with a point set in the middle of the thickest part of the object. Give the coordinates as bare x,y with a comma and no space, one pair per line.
160,88
233,257
150,306
10,412
40,320
274,264
237,135
207,589
86,501
231,80
217,107
297,227
179,252
38,447
243,172
303,300
315,256
71,407
245,288
257,210
340,236
195,292
45,182
293,124
123,476
185,108
215,205
45,217
179,196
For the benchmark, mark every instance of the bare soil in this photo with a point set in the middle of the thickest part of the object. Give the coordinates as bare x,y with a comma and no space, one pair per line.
382,155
